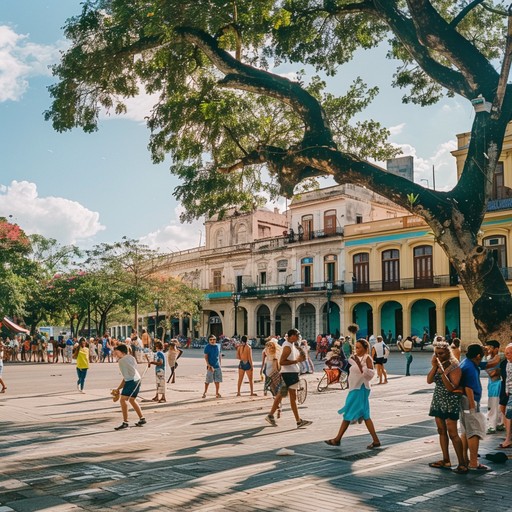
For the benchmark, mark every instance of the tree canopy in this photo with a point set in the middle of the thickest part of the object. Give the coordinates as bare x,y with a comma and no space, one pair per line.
227,117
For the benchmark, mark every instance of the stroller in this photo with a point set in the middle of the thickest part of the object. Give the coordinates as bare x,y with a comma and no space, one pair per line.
336,372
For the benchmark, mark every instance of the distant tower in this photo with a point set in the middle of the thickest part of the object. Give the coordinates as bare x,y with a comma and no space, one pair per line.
402,166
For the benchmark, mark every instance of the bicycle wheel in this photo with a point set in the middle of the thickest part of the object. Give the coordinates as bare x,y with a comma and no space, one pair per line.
322,383
302,391
343,380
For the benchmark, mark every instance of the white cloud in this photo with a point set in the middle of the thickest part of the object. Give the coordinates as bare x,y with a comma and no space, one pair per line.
176,236
20,60
54,217
396,130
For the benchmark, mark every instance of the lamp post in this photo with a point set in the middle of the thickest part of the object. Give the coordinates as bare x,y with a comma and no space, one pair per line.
328,287
236,301
156,304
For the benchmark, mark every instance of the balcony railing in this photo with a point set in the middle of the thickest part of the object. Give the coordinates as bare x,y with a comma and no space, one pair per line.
342,287
293,237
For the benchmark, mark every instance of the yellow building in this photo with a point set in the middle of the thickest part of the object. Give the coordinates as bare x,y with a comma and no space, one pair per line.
403,283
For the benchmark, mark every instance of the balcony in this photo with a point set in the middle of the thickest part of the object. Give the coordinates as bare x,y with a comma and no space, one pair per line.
292,237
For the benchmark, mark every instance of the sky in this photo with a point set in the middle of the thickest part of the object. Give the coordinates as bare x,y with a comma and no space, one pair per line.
88,189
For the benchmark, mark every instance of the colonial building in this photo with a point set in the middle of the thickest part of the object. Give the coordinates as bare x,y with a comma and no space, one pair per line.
339,255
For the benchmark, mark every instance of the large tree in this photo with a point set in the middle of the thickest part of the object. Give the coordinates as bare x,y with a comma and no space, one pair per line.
209,62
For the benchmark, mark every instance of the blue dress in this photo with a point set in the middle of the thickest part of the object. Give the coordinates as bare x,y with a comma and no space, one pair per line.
357,405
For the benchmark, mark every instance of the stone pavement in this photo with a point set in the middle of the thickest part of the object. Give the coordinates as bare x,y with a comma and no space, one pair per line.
59,453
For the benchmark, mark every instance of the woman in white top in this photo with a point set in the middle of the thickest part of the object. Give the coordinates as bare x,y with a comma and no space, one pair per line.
357,404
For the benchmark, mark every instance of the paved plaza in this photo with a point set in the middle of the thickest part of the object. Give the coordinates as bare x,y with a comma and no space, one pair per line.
59,451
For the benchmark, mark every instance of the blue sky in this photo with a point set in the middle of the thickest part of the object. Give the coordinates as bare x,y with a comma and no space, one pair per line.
86,189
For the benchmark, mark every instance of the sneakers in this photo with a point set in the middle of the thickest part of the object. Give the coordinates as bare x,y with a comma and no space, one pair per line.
491,430
303,423
270,419
122,426
141,422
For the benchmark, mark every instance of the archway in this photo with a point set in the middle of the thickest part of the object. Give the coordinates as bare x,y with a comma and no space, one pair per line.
452,316
307,321
284,320
362,315
391,319
214,324
263,322
331,319
423,319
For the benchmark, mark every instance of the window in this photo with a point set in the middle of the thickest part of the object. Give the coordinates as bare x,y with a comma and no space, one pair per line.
239,283
241,234
391,270
330,222
330,268
217,280
497,246
219,238
359,219
263,278
307,271
423,273
263,231
307,227
498,183
361,276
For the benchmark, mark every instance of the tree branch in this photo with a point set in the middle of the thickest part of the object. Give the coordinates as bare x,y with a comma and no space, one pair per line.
244,77
435,33
462,14
505,70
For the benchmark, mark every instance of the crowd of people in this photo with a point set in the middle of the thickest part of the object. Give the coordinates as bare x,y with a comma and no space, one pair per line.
455,404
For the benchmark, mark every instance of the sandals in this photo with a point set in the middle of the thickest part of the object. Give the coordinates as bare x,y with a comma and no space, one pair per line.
371,446
441,464
501,445
460,470
218,396
480,467
332,442
162,401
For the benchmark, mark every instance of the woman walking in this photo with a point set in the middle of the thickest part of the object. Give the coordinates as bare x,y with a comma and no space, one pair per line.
246,365
82,363
445,407
357,404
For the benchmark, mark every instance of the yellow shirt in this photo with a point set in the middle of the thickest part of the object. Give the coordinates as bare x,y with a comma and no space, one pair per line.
82,359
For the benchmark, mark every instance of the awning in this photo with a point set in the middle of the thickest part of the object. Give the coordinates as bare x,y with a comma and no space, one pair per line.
9,324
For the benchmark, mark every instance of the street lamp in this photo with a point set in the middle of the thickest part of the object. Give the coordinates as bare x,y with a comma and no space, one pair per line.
156,304
236,301
328,287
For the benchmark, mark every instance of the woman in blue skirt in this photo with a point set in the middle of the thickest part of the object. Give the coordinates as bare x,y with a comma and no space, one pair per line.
357,404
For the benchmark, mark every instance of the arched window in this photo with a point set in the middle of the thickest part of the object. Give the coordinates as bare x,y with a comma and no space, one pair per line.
241,234
391,269
307,271
307,226
330,222
498,247
423,267
219,238
361,275
330,273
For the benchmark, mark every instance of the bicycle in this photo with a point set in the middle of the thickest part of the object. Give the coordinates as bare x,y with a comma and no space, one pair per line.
333,376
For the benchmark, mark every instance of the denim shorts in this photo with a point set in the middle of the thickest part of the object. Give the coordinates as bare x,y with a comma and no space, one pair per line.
215,376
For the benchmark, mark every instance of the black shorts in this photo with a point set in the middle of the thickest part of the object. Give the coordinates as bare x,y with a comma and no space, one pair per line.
380,360
290,379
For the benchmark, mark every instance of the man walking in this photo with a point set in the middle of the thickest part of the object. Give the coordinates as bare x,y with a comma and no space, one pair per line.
129,387
472,421
213,369
290,370
406,347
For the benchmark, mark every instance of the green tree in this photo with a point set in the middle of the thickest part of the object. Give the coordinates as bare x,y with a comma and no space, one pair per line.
209,64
